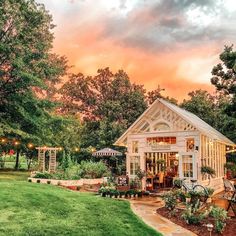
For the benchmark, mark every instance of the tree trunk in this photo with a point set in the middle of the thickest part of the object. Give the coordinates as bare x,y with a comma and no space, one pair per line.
17,159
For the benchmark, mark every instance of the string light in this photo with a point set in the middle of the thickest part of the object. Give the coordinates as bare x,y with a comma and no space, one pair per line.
76,149
30,145
3,140
16,143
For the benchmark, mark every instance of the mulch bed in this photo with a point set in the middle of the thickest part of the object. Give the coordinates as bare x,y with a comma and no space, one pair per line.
230,229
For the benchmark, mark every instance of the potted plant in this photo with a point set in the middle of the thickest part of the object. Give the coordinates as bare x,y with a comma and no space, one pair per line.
140,193
122,193
208,171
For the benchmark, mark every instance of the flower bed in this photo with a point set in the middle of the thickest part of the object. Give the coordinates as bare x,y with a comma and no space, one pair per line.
198,229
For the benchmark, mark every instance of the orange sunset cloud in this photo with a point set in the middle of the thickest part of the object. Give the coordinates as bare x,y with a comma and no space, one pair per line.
169,43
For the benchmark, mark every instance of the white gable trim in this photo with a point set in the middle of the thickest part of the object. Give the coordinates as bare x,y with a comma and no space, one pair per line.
220,137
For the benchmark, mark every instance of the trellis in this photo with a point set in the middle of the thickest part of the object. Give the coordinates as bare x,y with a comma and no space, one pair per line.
163,113
52,158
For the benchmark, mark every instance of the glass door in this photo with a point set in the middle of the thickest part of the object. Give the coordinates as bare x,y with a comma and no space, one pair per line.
187,166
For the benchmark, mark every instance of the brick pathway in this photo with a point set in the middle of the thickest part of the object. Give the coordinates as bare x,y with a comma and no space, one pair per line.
146,209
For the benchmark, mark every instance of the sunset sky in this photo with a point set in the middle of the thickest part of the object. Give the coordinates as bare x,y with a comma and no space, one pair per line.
174,43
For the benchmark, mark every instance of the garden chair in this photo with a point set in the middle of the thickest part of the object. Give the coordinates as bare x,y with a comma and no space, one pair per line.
160,181
229,188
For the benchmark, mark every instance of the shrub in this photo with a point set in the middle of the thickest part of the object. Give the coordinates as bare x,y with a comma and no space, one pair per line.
44,175
135,183
140,174
170,200
73,172
220,216
178,183
210,191
91,170
195,198
192,218
192,215
180,195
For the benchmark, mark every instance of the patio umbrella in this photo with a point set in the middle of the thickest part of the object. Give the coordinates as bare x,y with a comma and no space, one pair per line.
107,152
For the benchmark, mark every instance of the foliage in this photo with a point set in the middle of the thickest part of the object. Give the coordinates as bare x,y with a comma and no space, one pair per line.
181,195
203,105
193,216
109,102
91,170
170,199
154,94
231,166
178,183
209,191
220,216
211,109
66,161
41,175
140,174
88,170
195,198
208,170
27,69
111,190
224,78
135,183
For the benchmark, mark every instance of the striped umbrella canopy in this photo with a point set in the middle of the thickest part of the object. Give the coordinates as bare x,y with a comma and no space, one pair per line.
107,152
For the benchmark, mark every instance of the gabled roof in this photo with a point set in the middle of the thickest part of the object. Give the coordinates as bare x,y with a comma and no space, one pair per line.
189,117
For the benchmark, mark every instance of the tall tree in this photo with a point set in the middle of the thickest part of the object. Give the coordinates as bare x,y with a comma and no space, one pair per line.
27,68
203,105
106,101
224,79
156,93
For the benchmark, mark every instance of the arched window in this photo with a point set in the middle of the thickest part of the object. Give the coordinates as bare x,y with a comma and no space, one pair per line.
161,126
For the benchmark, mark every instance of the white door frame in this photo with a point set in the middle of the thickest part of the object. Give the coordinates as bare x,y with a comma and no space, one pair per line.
181,174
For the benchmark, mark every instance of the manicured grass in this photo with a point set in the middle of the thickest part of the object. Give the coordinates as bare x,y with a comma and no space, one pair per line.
37,209
13,175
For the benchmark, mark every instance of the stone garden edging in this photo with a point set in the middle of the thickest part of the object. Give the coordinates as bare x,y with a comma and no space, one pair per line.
79,182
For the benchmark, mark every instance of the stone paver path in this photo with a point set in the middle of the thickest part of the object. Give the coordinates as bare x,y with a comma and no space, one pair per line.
146,210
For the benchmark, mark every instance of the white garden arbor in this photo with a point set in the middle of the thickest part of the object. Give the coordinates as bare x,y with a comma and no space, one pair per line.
52,158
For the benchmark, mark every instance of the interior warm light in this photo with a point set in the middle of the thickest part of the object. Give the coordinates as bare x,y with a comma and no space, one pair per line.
16,143
76,149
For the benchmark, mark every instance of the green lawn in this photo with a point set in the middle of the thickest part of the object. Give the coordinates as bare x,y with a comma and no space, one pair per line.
36,209
13,176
